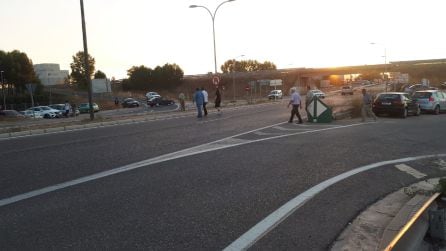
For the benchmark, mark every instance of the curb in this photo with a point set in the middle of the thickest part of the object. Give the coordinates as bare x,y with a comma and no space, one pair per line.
376,226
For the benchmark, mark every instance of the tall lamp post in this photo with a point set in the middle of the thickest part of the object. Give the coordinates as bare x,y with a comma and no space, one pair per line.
86,62
3,90
233,75
385,65
213,26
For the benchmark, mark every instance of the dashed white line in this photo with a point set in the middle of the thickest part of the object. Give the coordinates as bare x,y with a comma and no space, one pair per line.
411,171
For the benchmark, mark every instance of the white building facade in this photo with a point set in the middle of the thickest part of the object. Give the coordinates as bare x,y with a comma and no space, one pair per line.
50,74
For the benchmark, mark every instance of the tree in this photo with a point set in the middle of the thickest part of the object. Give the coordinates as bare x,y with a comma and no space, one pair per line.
246,66
78,69
167,76
138,78
18,71
99,74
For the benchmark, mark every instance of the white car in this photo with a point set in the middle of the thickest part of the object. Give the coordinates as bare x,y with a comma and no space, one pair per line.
317,93
150,95
46,112
31,114
275,94
347,90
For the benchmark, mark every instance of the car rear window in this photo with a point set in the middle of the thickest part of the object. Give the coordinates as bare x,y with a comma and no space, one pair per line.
389,97
422,95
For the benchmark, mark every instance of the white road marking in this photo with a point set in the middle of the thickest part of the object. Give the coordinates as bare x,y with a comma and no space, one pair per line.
280,128
208,147
275,218
409,170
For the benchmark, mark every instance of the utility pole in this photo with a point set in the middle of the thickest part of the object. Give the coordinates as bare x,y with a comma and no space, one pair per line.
87,64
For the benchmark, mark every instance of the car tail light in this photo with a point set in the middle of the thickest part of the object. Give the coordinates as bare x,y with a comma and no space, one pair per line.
431,99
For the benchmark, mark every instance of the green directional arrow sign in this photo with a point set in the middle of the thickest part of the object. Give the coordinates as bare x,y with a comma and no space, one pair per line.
318,111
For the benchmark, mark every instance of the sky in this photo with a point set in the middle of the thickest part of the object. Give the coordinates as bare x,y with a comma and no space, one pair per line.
289,33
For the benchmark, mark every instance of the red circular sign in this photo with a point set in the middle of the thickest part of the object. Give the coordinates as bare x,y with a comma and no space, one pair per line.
215,80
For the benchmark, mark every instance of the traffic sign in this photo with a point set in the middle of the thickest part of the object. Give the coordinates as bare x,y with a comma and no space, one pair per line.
318,111
215,80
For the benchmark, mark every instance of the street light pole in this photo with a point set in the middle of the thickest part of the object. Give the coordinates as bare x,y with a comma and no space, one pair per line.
86,62
385,66
213,27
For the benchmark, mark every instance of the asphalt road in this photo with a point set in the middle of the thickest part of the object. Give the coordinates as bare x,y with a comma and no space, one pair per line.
199,184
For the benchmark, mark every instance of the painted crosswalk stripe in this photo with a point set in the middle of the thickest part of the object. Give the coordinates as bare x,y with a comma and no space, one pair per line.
409,170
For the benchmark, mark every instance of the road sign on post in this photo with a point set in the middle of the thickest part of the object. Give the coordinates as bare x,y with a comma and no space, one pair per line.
215,80
318,111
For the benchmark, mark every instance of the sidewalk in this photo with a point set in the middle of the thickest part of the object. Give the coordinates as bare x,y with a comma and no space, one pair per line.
376,227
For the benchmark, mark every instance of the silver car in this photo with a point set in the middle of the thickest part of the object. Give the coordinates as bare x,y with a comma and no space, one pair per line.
431,100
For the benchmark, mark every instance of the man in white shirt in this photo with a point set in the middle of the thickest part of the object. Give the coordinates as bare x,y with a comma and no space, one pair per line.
296,101
206,99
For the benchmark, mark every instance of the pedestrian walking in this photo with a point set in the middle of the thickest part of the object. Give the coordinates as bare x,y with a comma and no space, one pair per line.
205,96
296,102
198,100
366,109
67,108
217,99
182,99
116,101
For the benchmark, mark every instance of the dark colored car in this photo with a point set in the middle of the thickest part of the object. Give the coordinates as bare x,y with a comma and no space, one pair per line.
130,102
157,101
395,103
11,114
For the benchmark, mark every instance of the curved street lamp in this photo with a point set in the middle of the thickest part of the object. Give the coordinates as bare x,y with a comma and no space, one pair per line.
213,26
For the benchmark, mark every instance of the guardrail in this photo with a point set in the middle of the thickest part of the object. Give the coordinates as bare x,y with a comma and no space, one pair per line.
400,237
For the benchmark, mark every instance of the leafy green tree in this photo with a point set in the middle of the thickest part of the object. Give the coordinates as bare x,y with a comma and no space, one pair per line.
78,69
138,78
18,71
246,66
99,75
167,76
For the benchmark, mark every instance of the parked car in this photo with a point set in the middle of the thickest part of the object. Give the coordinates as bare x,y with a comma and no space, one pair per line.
46,112
157,101
414,88
84,108
130,102
317,93
395,103
275,94
11,114
31,114
61,108
150,95
431,100
347,90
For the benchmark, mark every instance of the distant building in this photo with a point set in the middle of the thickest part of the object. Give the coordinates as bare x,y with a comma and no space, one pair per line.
50,74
